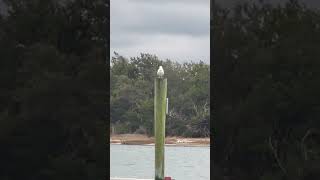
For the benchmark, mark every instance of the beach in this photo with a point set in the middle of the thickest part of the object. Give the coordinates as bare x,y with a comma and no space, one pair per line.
138,139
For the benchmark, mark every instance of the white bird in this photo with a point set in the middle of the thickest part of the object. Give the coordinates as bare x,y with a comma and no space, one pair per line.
160,72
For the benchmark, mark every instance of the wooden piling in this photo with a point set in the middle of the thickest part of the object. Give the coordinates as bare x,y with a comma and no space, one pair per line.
160,105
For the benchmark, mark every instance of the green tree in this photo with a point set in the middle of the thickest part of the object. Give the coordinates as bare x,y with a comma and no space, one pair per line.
266,91
132,96
54,91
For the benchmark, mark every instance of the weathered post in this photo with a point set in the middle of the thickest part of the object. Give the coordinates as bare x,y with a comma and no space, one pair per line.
160,106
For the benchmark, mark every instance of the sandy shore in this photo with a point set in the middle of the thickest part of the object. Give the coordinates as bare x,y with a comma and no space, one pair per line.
136,139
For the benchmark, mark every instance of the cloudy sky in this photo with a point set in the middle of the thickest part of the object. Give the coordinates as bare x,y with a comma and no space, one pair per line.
171,29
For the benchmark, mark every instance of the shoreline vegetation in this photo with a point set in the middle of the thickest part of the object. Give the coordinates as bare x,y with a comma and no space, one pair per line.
132,96
138,139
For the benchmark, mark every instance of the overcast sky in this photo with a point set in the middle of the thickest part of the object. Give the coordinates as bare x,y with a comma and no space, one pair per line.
178,30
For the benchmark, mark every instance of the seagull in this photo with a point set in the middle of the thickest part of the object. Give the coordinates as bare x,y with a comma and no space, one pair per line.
160,72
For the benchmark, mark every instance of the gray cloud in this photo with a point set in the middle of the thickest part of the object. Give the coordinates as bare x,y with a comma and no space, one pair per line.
174,1
172,20
177,30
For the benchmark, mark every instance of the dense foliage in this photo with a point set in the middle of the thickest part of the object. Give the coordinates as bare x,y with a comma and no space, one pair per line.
53,90
132,96
266,92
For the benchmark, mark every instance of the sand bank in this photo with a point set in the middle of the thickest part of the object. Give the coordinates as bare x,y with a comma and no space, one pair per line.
137,139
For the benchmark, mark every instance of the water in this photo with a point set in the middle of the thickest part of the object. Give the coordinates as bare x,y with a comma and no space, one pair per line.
131,161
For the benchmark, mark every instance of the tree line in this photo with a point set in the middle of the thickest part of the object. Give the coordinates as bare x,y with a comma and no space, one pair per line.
132,96
266,92
53,90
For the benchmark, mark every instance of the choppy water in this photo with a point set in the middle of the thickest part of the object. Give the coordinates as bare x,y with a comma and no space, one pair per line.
181,163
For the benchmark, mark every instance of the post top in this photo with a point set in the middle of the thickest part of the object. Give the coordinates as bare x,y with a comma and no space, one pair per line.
160,72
